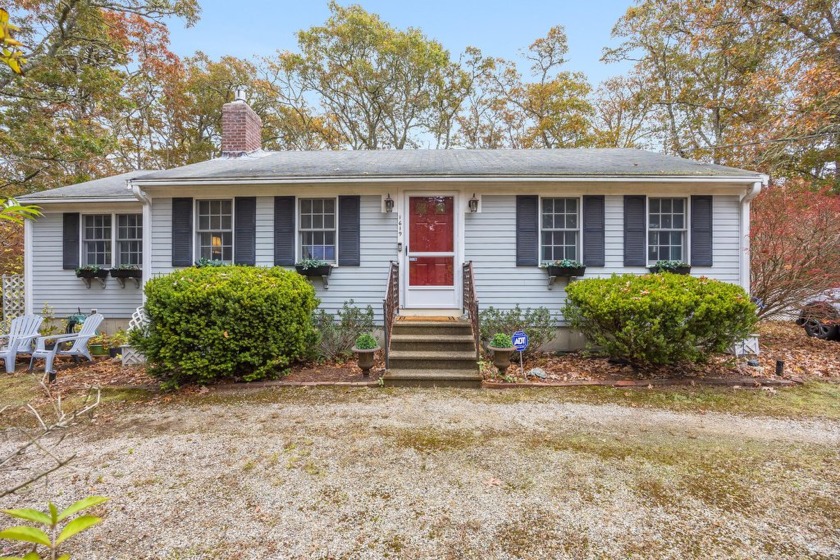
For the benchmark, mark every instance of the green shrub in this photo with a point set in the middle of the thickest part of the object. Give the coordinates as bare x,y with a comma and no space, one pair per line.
501,340
659,318
366,342
536,323
211,322
334,338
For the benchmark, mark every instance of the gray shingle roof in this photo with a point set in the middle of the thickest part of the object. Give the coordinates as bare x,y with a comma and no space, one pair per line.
446,163
109,187
361,164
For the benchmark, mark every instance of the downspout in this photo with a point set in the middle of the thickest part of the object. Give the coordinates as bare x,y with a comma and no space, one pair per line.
140,195
746,198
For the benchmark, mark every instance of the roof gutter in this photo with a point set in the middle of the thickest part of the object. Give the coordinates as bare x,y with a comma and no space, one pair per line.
74,200
444,179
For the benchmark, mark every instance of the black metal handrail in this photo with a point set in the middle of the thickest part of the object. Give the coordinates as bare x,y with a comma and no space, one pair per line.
470,305
391,307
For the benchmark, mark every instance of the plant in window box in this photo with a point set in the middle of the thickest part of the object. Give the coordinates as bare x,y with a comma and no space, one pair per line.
91,271
313,267
202,262
126,271
365,348
674,267
564,267
502,347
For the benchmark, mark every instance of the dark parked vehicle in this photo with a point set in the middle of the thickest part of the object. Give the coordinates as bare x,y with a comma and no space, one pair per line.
820,316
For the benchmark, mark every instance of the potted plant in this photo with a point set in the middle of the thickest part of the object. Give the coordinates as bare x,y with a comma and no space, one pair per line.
126,271
564,267
91,271
313,267
116,343
98,345
674,267
502,347
365,348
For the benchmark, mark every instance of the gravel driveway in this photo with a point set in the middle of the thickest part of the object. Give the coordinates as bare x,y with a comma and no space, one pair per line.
372,473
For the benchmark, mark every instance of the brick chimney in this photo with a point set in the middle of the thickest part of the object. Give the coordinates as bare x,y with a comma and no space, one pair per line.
241,128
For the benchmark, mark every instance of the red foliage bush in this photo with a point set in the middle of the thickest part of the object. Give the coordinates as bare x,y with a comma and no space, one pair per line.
795,245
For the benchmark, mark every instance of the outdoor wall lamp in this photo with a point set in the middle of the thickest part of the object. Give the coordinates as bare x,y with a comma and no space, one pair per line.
473,204
389,203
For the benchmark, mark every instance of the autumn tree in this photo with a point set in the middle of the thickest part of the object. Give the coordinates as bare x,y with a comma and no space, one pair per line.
712,72
625,115
375,84
56,126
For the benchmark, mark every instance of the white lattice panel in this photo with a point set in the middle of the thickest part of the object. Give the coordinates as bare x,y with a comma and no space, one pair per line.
131,356
14,303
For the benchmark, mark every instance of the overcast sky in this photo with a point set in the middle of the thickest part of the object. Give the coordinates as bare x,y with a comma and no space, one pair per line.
245,28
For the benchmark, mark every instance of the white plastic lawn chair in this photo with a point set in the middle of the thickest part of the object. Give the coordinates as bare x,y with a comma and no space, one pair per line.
22,331
79,347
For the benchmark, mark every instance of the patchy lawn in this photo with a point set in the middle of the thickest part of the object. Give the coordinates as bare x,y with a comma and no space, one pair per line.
413,473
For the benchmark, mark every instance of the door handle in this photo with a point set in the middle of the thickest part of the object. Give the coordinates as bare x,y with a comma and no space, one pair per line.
406,249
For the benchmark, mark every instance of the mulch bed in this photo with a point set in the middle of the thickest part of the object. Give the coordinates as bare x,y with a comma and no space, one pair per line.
804,357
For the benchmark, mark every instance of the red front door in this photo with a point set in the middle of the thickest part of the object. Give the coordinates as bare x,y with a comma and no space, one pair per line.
431,237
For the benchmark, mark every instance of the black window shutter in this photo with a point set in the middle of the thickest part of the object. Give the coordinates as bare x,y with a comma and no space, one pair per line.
349,230
527,230
593,231
701,231
182,231
70,241
284,231
634,231
245,230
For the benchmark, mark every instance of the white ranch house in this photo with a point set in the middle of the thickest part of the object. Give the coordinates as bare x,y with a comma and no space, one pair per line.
506,211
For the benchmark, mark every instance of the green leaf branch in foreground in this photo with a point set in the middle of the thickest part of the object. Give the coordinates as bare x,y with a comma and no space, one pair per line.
49,537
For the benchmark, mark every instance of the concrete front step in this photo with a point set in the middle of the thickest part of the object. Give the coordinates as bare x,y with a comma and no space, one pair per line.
431,378
437,328
407,359
431,342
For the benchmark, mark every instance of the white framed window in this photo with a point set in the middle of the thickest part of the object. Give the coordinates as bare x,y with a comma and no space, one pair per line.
96,240
667,229
129,240
214,230
559,229
317,228
106,246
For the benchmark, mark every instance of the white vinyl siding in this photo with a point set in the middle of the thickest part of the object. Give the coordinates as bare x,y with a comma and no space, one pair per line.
61,289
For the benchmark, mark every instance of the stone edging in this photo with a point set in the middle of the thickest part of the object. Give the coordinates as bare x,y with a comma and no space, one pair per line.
645,383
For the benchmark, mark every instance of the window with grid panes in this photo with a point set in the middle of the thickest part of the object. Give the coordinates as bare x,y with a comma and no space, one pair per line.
96,240
214,231
560,229
129,240
317,229
666,229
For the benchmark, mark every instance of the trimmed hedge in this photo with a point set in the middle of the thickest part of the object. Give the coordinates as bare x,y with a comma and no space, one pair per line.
220,322
659,319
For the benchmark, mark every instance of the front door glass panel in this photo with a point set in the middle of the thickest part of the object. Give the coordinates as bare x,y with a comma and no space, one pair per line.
431,255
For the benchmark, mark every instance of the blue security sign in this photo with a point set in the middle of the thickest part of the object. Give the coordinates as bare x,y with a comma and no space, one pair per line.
520,340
